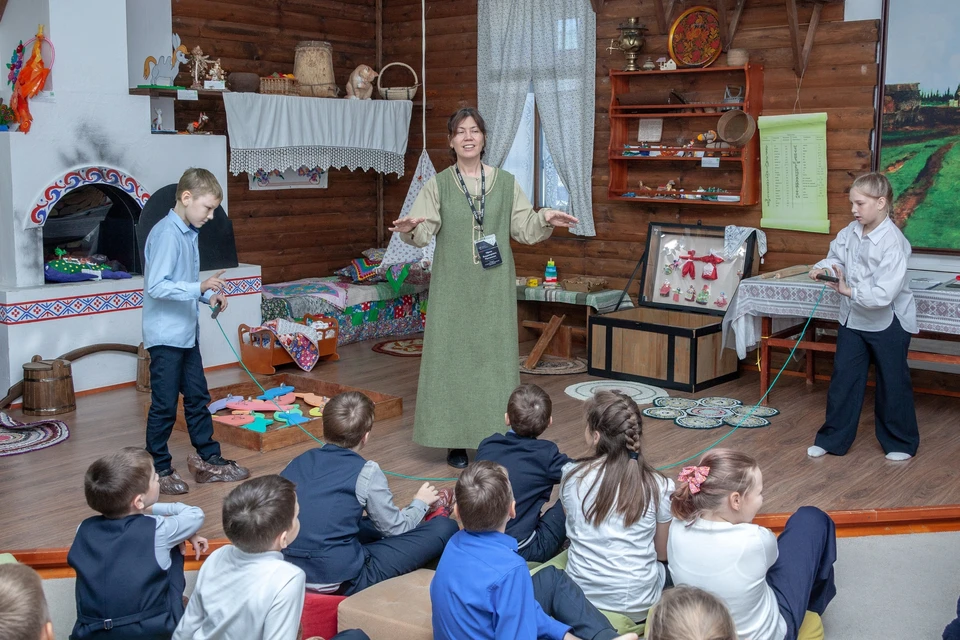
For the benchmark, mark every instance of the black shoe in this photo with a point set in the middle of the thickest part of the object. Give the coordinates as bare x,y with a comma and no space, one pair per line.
457,458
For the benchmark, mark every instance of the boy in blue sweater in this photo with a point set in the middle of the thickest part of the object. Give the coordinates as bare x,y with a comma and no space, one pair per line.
535,467
483,589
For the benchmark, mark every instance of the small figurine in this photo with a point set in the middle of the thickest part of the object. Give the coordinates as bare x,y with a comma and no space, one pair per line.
197,124
158,120
649,64
691,294
676,294
707,137
688,268
704,296
216,72
198,66
721,301
665,289
710,265
360,84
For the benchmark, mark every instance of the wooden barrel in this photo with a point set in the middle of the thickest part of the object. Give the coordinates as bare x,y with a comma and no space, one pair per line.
313,68
48,387
143,369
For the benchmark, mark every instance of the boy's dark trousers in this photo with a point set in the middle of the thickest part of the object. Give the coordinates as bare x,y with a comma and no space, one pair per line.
175,371
561,599
895,416
551,532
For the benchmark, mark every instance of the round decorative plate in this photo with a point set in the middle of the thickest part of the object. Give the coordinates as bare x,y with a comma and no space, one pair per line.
714,401
663,413
695,37
746,422
675,403
697,422
762,412
709,412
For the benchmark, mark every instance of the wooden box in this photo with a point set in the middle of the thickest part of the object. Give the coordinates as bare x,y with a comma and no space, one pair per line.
279,435
669,340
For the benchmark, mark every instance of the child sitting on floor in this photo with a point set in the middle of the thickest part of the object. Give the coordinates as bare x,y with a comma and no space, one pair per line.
245,591
534,466
618,512
483,589
767,583
688,613
23,608
129,560
341,551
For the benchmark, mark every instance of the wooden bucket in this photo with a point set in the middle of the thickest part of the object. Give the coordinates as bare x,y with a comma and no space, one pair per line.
143,369
47,387
313,68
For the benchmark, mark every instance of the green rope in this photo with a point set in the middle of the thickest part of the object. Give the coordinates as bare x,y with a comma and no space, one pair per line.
669,466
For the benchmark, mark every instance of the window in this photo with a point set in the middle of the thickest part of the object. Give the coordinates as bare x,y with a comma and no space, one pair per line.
530,161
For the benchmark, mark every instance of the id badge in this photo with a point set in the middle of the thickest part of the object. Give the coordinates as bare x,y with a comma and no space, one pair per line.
489,252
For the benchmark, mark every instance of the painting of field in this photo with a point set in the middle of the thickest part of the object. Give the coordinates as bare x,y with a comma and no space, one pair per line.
920,134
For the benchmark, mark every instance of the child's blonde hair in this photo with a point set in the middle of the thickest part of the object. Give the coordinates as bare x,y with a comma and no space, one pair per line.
199,182
23,607
689,613
705,487
875,185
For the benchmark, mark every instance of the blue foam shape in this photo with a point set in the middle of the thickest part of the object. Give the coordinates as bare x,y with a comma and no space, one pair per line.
276,392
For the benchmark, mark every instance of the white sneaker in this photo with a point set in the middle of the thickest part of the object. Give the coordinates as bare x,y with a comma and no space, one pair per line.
898,456
816,452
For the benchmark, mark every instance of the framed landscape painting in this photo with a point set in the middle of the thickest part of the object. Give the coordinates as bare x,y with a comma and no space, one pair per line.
918,145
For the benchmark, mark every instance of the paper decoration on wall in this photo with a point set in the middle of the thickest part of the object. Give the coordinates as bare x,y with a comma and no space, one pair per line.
793,172
162,71
398,251
302,178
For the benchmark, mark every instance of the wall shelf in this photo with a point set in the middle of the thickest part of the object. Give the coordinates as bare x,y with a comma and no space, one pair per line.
737,175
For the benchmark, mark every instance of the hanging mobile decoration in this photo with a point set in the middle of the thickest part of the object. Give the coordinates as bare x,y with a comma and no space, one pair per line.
16,63
33,75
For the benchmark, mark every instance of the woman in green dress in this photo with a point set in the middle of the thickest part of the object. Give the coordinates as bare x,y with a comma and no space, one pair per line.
470,362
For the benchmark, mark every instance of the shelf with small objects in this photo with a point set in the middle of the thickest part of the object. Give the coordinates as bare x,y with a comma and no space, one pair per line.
673,338
686,135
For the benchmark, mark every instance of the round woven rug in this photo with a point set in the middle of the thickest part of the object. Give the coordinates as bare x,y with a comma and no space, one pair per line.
405,348
641,393
22,439
554,366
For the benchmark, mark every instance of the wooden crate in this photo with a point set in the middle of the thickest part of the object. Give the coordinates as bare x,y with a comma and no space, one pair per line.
673,349
277,435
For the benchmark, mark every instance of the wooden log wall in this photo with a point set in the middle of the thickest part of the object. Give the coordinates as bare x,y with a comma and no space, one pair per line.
840,80
291,233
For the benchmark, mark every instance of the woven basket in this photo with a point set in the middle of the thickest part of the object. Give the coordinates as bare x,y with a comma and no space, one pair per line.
279,86
398,93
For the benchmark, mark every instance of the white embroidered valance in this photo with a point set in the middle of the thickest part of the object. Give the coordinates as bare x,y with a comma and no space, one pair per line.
276,133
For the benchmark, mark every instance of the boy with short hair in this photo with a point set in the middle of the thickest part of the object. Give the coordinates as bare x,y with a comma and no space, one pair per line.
245,591
534,466
129,560
340,550
483,589
171,331
23,608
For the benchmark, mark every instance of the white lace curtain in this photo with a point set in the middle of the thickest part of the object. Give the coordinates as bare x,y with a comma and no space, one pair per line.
553,44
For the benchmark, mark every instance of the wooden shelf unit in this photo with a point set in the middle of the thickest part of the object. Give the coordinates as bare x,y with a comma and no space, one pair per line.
682,122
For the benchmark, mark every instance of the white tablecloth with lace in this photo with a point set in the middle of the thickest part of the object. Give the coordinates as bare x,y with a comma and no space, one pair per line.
791,300
276,133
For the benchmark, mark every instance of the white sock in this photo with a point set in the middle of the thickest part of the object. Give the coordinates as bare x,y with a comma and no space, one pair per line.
898,456
816,452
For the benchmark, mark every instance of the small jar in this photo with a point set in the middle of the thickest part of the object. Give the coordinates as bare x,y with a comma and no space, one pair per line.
649,64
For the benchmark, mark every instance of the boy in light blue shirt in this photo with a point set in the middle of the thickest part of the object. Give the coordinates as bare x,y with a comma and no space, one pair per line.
171,328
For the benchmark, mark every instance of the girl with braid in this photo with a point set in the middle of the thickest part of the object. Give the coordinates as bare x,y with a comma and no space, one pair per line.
618,512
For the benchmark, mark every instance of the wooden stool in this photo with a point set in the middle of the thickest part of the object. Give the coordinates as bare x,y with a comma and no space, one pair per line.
556,339
398,609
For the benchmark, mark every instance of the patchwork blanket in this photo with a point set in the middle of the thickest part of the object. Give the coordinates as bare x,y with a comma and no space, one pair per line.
323,288
300,341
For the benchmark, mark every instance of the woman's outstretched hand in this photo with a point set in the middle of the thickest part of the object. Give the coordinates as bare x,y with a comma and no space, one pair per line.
558,218
406,225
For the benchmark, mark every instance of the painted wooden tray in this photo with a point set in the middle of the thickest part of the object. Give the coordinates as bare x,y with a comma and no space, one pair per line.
695,38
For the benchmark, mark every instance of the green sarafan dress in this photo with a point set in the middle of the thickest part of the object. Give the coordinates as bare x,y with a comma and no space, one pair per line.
470,362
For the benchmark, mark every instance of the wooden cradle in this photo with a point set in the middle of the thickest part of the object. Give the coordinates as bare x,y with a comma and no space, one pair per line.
261,352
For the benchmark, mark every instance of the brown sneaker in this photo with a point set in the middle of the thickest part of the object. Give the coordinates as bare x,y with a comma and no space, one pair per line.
216,469
172,484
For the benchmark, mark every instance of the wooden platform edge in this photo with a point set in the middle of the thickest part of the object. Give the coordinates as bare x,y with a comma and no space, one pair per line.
52,563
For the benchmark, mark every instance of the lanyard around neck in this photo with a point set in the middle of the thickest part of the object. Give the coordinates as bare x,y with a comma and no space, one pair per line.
478,216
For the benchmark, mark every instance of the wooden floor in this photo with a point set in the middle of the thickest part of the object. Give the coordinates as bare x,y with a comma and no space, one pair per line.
41,493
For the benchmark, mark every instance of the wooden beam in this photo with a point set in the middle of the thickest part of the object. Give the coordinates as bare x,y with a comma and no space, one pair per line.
811,33
549,331
664,13
731,27
793,22
3,7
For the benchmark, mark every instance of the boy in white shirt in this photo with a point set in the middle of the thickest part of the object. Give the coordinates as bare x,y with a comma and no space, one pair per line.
247,590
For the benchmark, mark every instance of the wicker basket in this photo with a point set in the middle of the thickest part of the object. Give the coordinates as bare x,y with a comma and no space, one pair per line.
398,93
279,86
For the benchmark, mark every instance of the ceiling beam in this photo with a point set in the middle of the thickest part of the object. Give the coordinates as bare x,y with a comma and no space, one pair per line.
728,26
664,14
801,52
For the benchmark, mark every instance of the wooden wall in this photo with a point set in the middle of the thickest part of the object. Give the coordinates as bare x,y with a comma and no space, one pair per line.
840,80
298,233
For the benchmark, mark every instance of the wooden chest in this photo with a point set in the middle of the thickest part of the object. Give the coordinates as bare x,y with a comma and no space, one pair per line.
673,339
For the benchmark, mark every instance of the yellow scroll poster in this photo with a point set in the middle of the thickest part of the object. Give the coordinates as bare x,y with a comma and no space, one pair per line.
793,172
